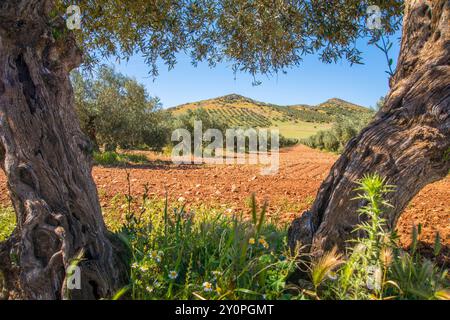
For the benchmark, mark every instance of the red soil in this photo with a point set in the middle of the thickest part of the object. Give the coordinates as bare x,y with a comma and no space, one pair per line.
289,192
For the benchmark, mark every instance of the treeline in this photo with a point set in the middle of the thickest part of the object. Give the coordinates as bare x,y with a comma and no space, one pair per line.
306,115
116,111
335,139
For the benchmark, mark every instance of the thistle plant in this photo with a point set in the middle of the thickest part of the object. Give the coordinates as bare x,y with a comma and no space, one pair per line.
377,267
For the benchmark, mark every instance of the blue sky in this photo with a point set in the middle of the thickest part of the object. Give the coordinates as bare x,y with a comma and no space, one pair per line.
312,82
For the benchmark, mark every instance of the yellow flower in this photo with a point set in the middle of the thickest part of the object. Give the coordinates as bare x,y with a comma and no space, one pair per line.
207,286
155,256
251,241
264,243
144,268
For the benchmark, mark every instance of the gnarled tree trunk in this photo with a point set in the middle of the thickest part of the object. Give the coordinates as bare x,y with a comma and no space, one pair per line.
408,142
46,160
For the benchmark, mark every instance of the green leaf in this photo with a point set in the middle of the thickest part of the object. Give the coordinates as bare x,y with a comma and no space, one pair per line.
437,245
121,292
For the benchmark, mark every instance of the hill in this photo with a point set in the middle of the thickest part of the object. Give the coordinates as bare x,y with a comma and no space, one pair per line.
295,121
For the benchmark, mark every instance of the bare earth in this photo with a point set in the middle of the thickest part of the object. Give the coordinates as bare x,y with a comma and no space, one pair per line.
288,193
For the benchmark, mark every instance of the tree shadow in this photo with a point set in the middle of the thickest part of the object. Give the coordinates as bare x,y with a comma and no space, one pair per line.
152,165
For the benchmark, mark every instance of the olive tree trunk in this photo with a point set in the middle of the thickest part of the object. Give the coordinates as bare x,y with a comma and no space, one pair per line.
46,160
408,142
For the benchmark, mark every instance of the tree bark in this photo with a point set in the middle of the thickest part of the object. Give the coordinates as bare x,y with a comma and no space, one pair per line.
46,159
408,143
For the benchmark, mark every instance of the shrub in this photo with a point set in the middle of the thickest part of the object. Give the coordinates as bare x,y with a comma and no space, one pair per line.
7,222
377,267
335,139
287,142
416,277
110,158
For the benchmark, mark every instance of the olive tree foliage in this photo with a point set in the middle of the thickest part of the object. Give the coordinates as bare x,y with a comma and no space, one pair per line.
115,110
254,36
187,121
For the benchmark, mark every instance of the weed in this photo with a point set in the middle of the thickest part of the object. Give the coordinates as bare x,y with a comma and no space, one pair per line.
7,222
110,158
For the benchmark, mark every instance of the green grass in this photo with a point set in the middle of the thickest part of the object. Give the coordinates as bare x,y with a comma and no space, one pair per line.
206,254
118,159
300,130
7,222
295,122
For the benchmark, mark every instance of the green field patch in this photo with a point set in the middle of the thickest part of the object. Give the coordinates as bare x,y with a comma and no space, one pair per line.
301,129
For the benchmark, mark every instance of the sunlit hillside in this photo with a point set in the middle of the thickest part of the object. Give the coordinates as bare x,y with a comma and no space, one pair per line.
295,121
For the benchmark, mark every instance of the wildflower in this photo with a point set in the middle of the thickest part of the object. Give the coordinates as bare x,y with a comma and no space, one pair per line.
181,199
144,268
173,275
251,241
149,289
134,265
332,276
155,256
207,286
264,243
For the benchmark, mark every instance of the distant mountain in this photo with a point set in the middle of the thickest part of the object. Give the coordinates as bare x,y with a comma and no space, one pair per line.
242,111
